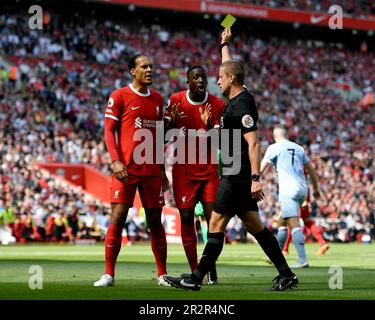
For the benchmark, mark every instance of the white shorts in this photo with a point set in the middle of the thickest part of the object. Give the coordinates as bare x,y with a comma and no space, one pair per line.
290,205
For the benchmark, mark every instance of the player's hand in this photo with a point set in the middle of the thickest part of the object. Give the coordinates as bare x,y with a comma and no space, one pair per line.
165,182
256,191
175,114
226,36
316,194
206,114
119,170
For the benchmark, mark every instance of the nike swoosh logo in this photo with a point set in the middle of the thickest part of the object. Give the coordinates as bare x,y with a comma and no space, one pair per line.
184,284
110,246
135,108
315,20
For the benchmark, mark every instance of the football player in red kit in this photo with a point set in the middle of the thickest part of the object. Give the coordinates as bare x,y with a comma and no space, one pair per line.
192,182
132,108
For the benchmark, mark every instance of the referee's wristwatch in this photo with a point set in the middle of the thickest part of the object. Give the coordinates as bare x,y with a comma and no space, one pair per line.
255,177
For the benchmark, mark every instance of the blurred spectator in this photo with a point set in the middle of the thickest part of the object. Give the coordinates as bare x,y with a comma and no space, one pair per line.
73,222
236,231
353,8
372,224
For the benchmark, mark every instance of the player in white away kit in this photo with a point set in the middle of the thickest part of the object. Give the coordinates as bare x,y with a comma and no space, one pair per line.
289,160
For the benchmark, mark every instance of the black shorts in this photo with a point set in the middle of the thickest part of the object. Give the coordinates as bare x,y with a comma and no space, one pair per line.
234,196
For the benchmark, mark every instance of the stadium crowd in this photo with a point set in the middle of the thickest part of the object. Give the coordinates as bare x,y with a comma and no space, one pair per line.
354,8
54,113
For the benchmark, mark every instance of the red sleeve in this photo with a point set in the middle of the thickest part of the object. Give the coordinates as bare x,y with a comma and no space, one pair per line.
161,113
110,127
112,116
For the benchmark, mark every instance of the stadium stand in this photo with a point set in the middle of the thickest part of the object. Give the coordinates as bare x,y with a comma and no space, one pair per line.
355,8
54,113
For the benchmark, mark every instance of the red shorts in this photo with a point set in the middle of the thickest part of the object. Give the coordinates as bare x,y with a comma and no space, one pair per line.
149,188
187,192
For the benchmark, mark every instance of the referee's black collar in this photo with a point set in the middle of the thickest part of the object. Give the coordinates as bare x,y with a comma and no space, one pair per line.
238,94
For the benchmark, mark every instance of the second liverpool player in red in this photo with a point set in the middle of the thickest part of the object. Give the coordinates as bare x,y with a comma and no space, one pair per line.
192,182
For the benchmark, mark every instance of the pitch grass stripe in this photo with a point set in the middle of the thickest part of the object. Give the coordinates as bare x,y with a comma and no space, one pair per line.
71,276
82,253
89,253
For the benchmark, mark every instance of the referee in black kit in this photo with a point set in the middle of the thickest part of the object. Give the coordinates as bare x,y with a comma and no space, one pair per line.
238,192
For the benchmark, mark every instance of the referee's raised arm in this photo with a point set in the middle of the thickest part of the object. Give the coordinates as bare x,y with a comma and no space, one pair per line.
239,187
224,45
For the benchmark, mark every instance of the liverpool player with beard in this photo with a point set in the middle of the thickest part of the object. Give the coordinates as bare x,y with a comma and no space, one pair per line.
132,108
192,182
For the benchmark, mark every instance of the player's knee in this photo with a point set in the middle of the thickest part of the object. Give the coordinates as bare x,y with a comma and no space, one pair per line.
187,216
153,217
293,222
207,208
118,214
216,225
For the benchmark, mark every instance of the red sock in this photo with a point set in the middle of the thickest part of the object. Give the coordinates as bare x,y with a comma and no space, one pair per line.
288,241
317,233
113,241
159,248
189,240
307,232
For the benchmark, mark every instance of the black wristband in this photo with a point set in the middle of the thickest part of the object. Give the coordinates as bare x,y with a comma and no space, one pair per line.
224,44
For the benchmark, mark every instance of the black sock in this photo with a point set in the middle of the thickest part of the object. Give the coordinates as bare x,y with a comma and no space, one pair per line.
272,249
211,252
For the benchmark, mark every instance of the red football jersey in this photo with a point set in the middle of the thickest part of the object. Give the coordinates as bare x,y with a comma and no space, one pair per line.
134,111
191,119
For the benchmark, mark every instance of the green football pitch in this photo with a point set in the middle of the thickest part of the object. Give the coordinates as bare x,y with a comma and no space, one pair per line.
70,270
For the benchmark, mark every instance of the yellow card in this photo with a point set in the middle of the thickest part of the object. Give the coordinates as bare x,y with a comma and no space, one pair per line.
228,21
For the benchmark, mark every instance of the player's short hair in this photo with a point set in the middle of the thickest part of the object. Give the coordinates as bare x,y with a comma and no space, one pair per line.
236,68
192,68
132,60
283,128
